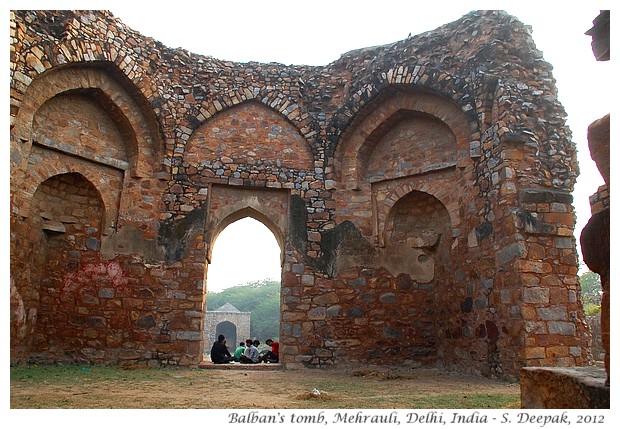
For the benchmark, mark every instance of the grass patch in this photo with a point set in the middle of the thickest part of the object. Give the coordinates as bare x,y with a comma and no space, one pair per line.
70,374
469,401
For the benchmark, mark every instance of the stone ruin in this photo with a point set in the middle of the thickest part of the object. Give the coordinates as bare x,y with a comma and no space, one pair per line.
228,321
585,387
420,193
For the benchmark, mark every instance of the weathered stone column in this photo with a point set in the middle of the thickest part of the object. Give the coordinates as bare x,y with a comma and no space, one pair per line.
595,237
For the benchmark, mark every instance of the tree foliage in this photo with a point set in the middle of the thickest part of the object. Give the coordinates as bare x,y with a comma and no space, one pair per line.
261,298
591,292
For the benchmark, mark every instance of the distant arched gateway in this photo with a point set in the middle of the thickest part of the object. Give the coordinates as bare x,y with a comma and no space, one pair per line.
229,321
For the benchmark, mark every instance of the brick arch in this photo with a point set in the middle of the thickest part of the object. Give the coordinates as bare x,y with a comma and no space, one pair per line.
405,77
285,106
80,184
246,132
390,195
109,194
377,119
100,80
240,211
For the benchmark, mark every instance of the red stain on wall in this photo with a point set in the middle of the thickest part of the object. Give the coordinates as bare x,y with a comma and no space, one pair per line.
108,273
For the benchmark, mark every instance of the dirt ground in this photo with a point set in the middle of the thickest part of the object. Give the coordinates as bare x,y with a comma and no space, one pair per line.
259,389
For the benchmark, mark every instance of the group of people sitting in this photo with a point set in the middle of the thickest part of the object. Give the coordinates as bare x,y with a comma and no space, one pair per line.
246,352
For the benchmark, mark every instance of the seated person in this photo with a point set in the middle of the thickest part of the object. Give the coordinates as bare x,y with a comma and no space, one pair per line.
250,355
272,356
219,351
239,351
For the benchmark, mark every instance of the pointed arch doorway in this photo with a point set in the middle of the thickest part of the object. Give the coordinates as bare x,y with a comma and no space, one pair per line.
249,227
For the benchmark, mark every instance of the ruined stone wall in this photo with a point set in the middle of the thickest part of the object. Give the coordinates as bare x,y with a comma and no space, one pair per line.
420,193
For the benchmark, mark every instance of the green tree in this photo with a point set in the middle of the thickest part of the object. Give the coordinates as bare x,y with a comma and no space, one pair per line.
261,298
591,293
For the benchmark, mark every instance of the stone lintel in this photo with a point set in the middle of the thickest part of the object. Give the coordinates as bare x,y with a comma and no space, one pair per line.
544,196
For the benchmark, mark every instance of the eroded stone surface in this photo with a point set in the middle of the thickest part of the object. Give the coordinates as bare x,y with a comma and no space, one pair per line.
564,388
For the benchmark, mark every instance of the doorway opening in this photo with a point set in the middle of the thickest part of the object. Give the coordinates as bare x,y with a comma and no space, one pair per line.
243,285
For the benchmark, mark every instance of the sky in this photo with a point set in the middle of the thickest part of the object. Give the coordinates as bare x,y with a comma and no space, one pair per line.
318,32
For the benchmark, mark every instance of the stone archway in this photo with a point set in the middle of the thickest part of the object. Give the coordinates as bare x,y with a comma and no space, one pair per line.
230,204
229,321
229,330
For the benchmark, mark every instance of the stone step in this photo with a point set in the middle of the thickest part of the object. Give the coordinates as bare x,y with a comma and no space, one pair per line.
240,366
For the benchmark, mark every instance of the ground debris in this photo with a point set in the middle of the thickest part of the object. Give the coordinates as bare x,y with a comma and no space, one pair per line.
381,375
321,395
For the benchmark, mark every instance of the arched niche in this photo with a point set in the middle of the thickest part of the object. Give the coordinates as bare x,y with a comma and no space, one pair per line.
417,234
68,202
408,143
249,133
102,84
429,131
66,215
229,330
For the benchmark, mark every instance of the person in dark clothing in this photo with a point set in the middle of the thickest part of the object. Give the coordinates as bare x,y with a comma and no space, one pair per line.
219,351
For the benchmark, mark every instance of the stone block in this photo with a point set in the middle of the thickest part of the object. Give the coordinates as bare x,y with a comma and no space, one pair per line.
388,298
564,388
355,312
561,328
536,267
535,353
106,293
317,313
537,328
557,352
536,295
307,280
510,252
393,333
334,310
555,312
328,298
187,335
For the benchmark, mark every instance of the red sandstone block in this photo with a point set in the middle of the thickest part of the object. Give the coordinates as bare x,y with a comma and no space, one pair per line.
535,353
560,218
534,266
557,352
535,251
